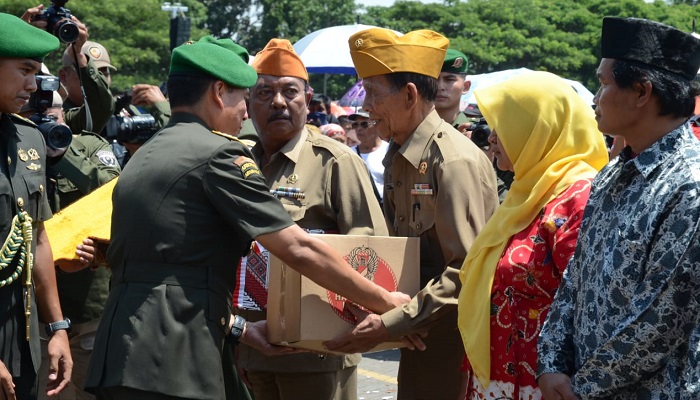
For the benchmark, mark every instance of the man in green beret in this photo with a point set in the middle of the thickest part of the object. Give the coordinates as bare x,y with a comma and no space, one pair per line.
452,84
185,209
27,278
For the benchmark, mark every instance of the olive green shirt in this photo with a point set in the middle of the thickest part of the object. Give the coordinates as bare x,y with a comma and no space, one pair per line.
99,99
338,198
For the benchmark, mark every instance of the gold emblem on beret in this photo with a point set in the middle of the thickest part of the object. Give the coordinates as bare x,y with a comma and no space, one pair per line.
459,61
422,167
95,52
34,167
293,178
33,154
358,43
22,154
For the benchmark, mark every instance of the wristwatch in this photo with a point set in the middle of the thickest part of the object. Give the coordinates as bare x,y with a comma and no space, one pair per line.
57,326
237,329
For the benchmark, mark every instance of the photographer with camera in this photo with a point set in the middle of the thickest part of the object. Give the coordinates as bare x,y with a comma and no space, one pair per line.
27,278
74,168
81,77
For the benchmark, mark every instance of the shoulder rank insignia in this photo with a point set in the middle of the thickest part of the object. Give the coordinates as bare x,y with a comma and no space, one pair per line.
20,118
226,135
247,166
34,167
22,154
33,154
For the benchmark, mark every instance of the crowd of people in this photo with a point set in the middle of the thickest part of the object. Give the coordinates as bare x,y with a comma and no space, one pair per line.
551,266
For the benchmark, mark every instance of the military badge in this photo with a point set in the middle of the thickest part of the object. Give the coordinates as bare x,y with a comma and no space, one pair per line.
293,178
34,167
459,61
422,167
22,154
95,52
107,158
33,154
247,166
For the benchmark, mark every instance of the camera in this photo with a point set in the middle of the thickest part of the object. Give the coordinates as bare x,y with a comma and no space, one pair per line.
58,21
57,136
137,129
480,133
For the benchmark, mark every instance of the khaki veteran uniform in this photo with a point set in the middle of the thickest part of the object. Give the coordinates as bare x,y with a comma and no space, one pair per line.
185,210
336,197
23,198
440,187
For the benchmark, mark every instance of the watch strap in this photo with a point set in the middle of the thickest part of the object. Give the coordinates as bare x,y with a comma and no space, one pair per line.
52,327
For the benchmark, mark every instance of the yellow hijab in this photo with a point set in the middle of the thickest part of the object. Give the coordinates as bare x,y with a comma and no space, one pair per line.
552,139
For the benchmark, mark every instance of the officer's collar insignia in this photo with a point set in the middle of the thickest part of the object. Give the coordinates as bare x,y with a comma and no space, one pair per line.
22,154
33,154
422,167
247,166
34,167
293,178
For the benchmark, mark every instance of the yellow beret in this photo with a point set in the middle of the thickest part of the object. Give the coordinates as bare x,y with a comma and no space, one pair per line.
21,40
278,58
379,51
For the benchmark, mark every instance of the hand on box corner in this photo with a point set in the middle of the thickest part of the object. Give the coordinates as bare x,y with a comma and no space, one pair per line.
368,333
399,298
90,254
146,95
556,386
255,336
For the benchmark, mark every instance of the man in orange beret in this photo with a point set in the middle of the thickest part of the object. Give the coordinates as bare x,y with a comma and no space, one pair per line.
292,156
438,186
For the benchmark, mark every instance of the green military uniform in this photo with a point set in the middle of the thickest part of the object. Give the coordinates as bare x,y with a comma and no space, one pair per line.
87,164
99,99
338,198
23,175
441,188
178,232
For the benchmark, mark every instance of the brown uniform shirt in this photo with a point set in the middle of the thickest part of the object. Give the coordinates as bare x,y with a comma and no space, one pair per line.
338,198
440,187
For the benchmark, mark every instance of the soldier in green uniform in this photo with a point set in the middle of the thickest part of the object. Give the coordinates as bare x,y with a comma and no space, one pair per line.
452,84
325,188
27,279
85,165
439,187
185,209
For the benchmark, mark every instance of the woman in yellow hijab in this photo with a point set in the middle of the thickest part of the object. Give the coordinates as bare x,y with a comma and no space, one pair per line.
547,135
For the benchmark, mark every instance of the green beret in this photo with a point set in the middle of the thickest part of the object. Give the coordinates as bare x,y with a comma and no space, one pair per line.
219,58
22,40
455,62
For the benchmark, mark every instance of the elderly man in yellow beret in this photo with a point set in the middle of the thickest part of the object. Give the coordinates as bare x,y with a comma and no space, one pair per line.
337,198
438,186
184,211
27,278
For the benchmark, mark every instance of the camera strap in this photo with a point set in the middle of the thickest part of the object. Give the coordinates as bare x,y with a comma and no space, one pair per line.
88,115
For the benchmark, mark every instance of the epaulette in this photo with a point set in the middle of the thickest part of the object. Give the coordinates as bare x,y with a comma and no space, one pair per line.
21,119
226,135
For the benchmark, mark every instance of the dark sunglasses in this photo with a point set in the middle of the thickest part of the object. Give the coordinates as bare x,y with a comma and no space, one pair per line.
363,124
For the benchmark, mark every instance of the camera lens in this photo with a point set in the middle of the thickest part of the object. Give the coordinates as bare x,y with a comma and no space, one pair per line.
66,31
57,136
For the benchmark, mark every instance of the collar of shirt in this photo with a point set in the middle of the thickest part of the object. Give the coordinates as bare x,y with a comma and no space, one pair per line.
656,155
414,147
291,149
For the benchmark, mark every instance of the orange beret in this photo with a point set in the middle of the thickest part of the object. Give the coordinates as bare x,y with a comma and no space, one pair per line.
278,58
379,51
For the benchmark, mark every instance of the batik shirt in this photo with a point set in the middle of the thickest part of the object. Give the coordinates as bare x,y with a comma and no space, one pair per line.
625,323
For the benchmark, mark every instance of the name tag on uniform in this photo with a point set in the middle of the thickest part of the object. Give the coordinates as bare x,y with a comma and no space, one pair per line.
421,189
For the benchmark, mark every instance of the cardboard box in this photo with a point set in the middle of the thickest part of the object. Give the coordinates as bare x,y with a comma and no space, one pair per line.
302,314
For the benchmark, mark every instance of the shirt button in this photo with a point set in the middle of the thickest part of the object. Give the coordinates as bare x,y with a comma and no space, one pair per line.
223,321
419,226
439,135
41,188
401,218
398,184
9,160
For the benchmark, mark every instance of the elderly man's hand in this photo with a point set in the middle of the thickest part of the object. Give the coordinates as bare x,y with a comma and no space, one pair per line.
255,336
556,386
368,333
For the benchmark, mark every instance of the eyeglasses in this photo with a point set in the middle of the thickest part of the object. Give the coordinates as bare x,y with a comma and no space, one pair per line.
363,124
